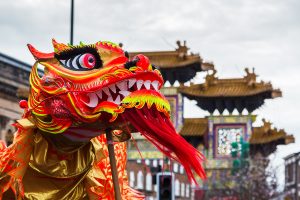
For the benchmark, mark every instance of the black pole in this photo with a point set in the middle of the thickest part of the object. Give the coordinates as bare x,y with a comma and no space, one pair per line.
72,22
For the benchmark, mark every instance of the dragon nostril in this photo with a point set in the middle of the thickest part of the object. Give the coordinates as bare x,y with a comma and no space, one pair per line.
139,61
131,63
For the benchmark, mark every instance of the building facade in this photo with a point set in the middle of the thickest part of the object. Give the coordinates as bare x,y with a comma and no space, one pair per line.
14,76
292,176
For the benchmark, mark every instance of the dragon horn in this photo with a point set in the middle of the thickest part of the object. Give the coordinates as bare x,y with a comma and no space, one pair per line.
59,47
39,55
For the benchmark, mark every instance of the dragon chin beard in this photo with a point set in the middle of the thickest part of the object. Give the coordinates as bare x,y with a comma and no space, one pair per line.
159,130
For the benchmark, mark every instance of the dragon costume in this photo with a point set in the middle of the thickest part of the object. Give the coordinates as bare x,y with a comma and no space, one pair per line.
60,150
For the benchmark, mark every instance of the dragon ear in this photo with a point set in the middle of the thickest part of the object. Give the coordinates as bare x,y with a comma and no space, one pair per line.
39,55
59,47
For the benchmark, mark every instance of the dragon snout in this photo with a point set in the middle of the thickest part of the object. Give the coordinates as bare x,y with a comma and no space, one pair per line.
139,61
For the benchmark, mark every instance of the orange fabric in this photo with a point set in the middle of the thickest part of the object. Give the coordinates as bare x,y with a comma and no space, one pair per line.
14,162
98,182
99,188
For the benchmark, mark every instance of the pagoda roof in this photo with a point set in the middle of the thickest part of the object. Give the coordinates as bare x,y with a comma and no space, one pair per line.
265,134
195,131
177,65
194,127
239,93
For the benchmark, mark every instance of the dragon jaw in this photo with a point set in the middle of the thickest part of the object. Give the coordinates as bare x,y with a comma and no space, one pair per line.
115,93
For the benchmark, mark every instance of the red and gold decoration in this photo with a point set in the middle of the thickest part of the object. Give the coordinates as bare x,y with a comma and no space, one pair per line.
77,94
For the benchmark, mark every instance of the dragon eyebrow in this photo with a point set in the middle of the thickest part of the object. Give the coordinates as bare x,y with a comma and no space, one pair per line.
75,50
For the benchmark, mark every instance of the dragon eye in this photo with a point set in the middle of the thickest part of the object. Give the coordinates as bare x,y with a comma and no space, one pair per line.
87,61
80,58
81,62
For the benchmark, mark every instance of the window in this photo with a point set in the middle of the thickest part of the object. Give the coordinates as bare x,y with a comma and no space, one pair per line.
290,172
155,163
149,182
155,188
177,188
131,179
147,162
175,167
140,180
181,169
182,189
187,190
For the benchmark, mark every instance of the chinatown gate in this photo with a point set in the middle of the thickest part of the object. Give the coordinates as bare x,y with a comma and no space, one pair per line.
214,134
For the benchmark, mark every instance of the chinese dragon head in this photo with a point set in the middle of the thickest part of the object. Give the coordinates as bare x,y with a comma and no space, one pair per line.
82,84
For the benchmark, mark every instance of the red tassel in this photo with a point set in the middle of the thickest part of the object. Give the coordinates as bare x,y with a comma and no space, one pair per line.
159,130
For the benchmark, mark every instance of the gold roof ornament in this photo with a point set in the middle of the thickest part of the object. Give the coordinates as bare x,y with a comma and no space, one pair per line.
229,93
266,134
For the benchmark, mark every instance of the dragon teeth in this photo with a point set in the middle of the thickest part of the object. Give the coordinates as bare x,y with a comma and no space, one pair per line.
122,85
117,100
131,82
139,84
99,94
113,88
110,99
93,100
147,84
155,85
106,91
125,93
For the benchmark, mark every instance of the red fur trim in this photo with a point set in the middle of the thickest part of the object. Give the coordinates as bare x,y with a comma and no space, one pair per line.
159,130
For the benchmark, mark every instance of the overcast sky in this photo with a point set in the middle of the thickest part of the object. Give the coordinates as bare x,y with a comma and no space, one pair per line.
233,34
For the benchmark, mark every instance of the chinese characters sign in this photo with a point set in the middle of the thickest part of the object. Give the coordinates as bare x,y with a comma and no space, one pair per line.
224,136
